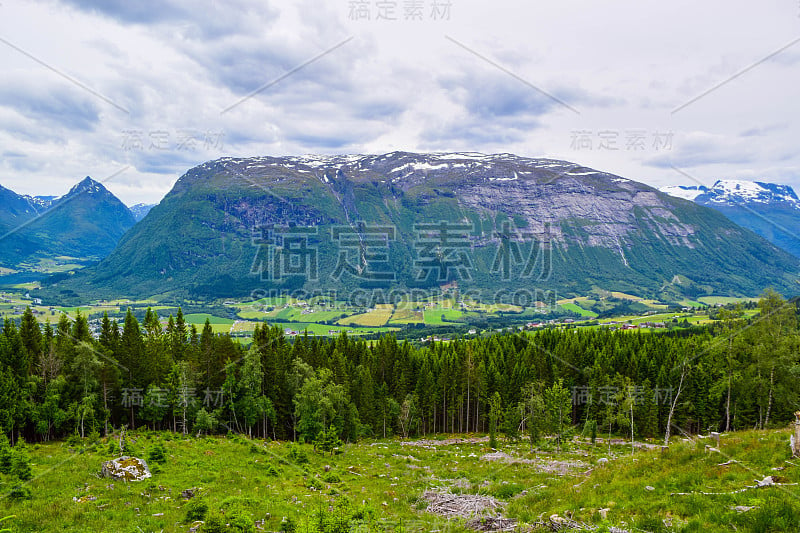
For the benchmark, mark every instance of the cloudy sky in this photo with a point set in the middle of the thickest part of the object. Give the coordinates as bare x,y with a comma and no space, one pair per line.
133,93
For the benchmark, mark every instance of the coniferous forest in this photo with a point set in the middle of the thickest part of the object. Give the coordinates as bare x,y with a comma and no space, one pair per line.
738,373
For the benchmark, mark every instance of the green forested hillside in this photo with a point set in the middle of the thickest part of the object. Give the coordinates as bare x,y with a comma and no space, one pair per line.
85,223
736,374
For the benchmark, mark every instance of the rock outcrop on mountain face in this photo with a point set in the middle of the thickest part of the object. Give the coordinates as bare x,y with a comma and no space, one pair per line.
769,209
371,221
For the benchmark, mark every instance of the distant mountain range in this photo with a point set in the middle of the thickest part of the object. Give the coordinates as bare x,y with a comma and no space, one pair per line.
491,225
140,211
771,210
85,223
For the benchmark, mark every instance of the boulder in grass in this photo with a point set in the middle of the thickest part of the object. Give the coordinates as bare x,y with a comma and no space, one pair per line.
127,468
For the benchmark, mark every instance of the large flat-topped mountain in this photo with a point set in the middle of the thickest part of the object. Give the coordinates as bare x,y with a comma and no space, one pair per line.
406,220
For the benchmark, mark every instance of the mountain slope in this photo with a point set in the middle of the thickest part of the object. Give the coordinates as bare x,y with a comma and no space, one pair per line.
87,222
495,224
771,210
139,211
16,209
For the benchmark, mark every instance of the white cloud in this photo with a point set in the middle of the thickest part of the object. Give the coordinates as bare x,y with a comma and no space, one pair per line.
173,66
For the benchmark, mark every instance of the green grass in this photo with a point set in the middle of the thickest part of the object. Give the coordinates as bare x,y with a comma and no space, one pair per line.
578,309
324,329
262,480
441,316
724,300
200,318
688,467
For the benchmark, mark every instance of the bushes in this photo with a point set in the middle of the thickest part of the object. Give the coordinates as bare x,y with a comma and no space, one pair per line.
328,440
214,523
20,492
15,461
74,441
314,483
297,454
508,490
232,515
287,525
344,517
157,454
20,465
196,509
331,477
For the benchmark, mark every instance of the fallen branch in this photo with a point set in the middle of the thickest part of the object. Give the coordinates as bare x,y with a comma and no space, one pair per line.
560,523
492,524
766,482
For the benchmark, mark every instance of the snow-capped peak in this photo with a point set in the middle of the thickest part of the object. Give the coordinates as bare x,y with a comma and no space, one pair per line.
742,191
732,192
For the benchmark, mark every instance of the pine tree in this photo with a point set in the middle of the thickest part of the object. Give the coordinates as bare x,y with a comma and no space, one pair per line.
31,336
327,440
558,403
495,413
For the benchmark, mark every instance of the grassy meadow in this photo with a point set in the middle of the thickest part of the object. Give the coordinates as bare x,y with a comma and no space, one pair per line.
378,485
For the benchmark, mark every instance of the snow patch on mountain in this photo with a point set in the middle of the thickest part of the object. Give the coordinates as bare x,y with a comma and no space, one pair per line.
736,192
687,192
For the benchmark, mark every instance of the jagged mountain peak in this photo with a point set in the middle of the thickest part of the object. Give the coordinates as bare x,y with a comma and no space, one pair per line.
87,186
87,222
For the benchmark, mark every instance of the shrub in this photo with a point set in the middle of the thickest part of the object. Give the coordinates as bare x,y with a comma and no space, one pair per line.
157,454
74,441
20,465
331,477
241,522
196,509
297,454
20,492
214,523
314,483
328,440
287,525
6,454
509,490
93,437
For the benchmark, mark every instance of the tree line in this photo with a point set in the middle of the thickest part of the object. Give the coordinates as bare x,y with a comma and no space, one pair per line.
737,373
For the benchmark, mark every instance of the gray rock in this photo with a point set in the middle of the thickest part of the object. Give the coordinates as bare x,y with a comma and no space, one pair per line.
127,468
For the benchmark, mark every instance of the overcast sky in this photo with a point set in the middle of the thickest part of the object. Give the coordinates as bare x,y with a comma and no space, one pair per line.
134,93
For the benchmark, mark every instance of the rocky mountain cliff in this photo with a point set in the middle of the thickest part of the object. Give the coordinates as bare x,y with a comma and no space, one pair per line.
491,224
